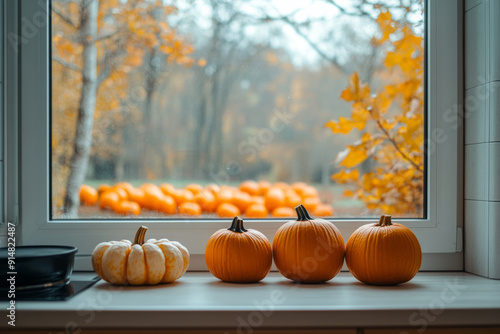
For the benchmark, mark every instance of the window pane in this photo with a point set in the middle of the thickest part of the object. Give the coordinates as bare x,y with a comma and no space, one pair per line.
220,108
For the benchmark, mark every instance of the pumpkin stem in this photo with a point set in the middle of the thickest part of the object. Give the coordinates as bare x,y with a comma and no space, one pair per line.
140,235
385,220
302,213
237,225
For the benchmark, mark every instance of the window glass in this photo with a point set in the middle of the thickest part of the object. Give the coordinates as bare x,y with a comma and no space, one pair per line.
207,108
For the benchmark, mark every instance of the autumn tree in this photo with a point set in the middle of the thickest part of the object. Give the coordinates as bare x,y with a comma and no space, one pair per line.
391,120
96,44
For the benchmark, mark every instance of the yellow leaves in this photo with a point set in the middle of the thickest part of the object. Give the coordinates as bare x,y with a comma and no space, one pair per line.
343,177
344,125
353,156
386,24
356,91
393,122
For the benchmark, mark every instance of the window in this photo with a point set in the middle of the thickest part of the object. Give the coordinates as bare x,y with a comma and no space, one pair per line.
436,226
208,93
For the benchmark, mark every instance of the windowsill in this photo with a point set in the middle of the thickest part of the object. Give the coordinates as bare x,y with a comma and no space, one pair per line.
199,300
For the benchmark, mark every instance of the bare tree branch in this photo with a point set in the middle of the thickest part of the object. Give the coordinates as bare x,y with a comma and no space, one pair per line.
295,26
63,17
346,12
105,36
66,63
108,64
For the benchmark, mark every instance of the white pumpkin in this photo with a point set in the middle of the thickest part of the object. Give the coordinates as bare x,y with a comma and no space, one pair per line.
140,263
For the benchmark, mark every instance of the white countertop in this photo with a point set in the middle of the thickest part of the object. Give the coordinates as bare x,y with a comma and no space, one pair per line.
200,300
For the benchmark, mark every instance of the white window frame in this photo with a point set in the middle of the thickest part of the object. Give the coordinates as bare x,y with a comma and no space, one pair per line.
439,234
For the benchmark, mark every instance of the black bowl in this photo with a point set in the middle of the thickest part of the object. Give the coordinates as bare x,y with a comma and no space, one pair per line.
37,266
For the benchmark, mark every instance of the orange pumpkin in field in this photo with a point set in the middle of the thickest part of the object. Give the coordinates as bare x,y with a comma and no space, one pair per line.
283,212
323,210
257,200
127,208
264,186
227,210
299,187
250,187
281,185
166,204
309,191
121,193
214,188
242,200
206,200
256,211
183,195
167,189
225,196
137,195
109,200
103,188
189,209
274,198
292,199
311,203
194,188
124,185
152,196
88,195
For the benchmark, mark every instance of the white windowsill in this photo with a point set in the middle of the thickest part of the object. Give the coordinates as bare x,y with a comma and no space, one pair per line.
199,300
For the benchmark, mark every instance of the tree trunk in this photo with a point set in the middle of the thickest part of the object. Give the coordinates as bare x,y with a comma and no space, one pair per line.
149,151
86,108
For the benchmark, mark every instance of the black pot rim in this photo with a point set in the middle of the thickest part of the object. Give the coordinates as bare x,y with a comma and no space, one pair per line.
63,250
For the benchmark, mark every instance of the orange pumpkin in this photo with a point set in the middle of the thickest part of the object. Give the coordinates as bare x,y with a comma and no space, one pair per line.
167,189
189,209
238,255
281,185
242,200
124,185
166,204
256,211
109,200
214,188
227,210
250,187
183,195
137,195
292,199
127,208
152,197
206,200
274,198
225,196
308,250
103,188
88,195
384,253
311,203
264,187
323,210
309,191
283,212
120,192
194,188
299,187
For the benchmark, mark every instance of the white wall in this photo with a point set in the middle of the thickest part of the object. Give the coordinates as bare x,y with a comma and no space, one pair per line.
482,137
